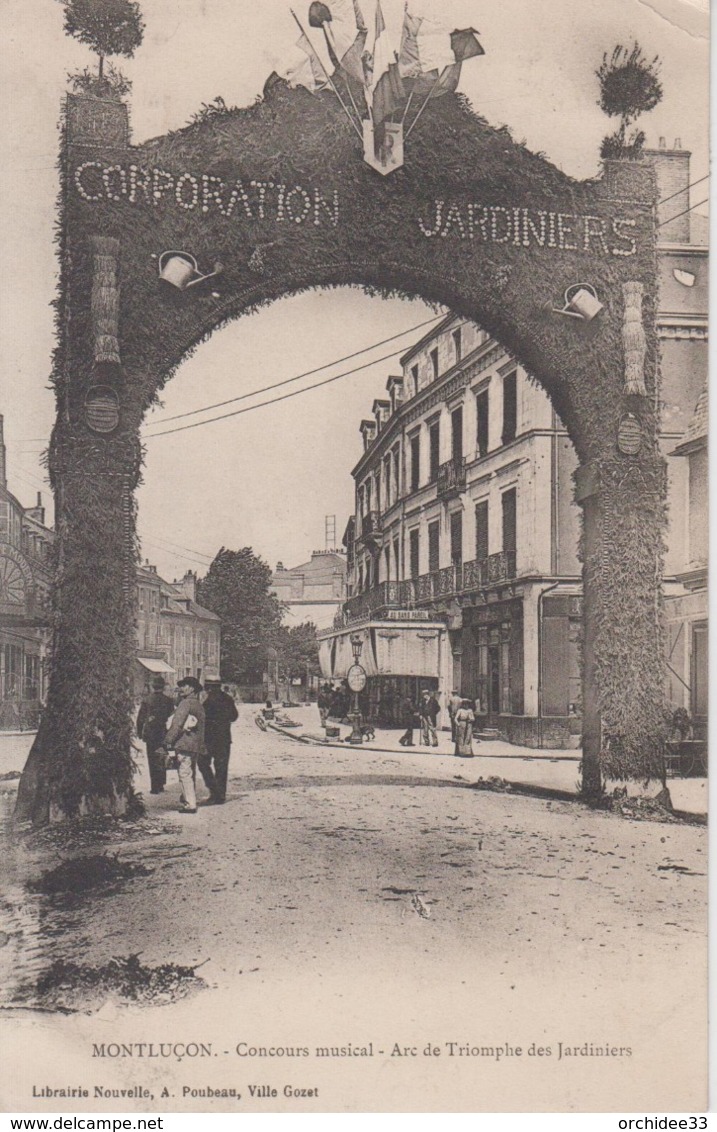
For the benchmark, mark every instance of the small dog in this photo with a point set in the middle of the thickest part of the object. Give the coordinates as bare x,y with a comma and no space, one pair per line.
368,733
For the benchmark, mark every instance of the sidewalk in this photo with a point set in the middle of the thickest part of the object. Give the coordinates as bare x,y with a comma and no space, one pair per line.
520,766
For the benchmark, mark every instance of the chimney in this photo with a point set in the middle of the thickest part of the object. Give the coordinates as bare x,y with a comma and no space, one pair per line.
38,511
672,170
279,567
189,585
3,468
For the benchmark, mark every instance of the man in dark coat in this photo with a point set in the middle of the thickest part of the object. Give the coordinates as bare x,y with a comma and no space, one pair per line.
408,713
220,711
154,712
428,710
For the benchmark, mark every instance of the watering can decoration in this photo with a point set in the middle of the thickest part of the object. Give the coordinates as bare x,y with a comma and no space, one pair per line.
181,270
581,302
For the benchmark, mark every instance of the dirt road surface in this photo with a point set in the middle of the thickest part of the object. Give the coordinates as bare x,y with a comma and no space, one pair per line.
355,901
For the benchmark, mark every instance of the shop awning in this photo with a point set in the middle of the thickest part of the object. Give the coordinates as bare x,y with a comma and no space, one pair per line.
153,665
389,649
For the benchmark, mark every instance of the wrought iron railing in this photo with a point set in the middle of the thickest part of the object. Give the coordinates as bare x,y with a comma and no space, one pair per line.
452,477
370,524
460,578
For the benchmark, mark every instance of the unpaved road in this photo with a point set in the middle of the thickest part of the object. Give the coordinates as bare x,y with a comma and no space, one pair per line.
347,898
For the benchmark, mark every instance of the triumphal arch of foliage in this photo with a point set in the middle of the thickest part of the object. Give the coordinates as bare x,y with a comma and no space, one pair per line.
277,198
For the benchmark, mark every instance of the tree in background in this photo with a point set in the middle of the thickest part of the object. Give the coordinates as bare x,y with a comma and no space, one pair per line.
109,27
629,86
236,588
297,650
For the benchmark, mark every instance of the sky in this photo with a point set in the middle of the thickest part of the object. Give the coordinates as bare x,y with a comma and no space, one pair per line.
267,478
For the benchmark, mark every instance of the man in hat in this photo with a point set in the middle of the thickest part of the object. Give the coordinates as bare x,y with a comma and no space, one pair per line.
428,710
220,712
152,717
186,737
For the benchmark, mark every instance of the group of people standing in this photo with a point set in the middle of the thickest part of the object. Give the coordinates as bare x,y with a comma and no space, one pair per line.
196,726
425,714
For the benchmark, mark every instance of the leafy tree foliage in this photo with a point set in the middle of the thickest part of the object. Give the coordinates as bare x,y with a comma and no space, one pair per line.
297,649
109,27
629,86
236,588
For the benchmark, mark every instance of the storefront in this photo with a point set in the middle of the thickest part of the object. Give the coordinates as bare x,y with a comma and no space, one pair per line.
401,658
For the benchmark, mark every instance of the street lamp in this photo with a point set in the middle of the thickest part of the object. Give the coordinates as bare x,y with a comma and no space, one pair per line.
356,680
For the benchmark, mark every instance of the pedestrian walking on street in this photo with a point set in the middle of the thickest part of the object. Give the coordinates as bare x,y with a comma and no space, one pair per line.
186,737
324,703
152,717
428,710
408,711
465,718
454,703
220,712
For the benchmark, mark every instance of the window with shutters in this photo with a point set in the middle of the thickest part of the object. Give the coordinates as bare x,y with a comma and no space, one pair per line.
434,362
510,533
458,344
413,543
456,538
481,530
433,546
397,471
482,423
414,380
510,408
457,434
396,558
415,461
434,449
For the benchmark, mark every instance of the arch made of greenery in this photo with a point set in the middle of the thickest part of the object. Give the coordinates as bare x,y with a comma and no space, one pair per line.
279,194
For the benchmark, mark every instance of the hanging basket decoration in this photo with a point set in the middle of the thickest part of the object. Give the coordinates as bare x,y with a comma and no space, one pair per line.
634,341
102,409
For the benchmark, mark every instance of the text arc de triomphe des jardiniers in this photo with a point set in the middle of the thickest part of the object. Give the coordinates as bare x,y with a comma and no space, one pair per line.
280,196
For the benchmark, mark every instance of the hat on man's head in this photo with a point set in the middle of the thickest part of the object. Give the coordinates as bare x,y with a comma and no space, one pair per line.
212,683
158,682
190,682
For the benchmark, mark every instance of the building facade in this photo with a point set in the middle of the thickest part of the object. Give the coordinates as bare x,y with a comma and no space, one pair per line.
313,591
463,550
25,576
687,613
176,636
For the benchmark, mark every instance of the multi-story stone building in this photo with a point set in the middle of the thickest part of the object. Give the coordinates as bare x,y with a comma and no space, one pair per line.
313,591
25,574
463,552
176,636
687,613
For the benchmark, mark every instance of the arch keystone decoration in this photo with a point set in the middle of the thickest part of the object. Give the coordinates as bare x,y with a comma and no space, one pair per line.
279,195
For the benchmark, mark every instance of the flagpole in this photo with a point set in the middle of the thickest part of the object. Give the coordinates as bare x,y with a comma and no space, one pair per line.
328,78
328,37
425,102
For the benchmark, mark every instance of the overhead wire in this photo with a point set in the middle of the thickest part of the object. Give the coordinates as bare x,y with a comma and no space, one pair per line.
298,377
275,400
683,213
690,186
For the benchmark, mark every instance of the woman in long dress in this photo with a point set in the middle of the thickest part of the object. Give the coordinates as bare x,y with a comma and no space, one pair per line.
464,719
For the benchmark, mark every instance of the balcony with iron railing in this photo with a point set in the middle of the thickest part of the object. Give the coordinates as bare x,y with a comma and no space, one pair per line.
450,581
451,478
370,527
